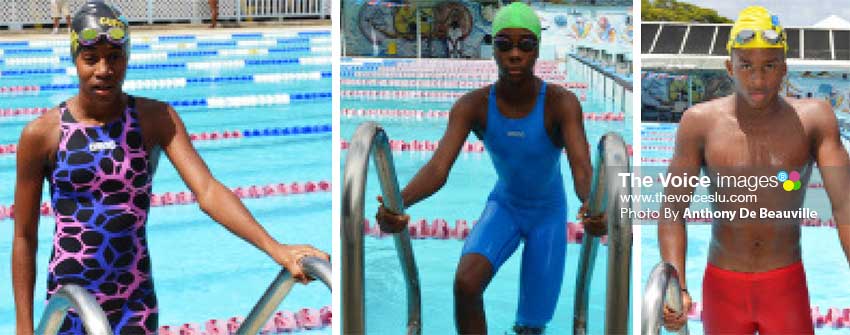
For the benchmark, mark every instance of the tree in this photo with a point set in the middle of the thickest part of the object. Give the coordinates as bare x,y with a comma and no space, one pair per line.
675,11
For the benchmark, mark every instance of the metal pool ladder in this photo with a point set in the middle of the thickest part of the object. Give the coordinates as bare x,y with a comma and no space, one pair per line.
368,139
84,303
313,266
605,197
95,322
661,288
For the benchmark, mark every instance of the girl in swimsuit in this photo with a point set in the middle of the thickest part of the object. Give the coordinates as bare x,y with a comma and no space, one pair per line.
99,151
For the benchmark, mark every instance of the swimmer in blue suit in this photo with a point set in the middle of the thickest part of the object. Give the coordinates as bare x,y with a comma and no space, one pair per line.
524,124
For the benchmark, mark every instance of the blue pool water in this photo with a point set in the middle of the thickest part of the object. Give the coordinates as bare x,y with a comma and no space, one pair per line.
822,255
201,271
463,197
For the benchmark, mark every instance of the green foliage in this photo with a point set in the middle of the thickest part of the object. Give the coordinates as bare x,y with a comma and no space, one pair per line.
675,11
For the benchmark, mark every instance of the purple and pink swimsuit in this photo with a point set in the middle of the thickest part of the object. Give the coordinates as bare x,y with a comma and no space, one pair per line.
100,188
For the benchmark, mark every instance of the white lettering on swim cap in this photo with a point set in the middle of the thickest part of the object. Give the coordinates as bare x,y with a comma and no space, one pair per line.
98,146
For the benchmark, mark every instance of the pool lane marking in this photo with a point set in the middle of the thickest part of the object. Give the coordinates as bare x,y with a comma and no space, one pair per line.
444,114
187,197
175,82
430,146
210,102
200,65
11,148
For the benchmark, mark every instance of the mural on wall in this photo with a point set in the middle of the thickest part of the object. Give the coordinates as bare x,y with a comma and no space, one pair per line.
452,29
452,24
459,28
375,23
572,26
833,87
662,90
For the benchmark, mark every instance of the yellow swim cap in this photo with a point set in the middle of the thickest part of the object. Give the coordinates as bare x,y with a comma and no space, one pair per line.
758,29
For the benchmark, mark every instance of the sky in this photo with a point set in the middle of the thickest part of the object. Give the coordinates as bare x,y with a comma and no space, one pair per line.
791,13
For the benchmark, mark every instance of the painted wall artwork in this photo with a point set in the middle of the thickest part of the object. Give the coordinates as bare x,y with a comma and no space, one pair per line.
461,28
567,27
449,29
661,89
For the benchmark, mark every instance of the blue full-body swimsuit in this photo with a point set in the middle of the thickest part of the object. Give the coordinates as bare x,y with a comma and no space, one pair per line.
529,203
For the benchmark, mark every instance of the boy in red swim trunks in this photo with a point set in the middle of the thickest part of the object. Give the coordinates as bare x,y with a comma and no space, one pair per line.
755,281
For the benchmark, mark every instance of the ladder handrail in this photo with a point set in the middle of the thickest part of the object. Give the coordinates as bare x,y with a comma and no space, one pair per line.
662,289
278,290
84,304
370,138
605,197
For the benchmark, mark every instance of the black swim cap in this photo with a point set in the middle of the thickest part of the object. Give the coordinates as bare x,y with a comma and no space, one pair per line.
98,18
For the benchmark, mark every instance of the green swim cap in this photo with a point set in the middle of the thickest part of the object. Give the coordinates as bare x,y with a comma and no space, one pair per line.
517,15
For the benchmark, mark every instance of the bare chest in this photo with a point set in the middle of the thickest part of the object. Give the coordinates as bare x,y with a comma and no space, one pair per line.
763,147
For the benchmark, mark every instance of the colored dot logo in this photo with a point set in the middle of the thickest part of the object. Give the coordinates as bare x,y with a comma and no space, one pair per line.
790,181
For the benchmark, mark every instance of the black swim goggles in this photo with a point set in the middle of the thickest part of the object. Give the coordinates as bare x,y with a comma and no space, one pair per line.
504,44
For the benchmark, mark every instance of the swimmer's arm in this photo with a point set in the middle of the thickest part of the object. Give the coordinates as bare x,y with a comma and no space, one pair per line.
834,166
687,158
215,199
434,174
30,178
575,141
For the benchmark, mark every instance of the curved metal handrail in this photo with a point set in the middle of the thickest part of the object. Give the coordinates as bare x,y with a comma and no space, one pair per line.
368,137
278,290
662,288
605,197
85,305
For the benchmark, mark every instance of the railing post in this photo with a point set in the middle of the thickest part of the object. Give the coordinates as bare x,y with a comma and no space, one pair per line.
278,290
17,20
662,289
238,4
605,198
150,11
368,139
619,236
84,304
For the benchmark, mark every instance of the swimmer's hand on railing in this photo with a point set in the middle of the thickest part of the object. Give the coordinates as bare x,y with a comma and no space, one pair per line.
594,225
289,256
389,221
674,321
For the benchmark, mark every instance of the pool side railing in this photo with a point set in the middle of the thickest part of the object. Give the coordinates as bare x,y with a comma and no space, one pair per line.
662,289
20,13
370,138
610,85
84,304
607,197
278,290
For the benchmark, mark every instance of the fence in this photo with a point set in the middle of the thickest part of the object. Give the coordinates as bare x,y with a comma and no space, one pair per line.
16,14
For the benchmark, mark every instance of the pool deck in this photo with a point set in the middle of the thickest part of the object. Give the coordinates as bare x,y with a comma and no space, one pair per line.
160,29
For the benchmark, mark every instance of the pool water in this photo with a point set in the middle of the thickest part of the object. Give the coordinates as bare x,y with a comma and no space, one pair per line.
202,271
463,197
822,255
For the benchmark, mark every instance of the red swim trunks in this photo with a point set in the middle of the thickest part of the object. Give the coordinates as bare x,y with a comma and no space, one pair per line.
771,302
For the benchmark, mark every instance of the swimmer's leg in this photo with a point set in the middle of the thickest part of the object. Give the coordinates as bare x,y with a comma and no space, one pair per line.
782,302
492,240
726,302
473,275
542,272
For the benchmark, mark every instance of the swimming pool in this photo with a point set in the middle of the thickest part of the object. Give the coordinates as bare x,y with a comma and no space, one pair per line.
462,197
822,255
273,80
